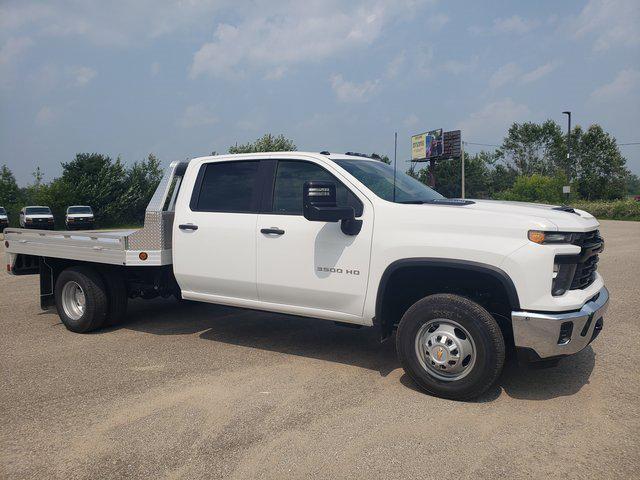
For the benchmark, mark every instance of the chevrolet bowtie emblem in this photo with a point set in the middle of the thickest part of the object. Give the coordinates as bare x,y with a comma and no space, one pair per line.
439,354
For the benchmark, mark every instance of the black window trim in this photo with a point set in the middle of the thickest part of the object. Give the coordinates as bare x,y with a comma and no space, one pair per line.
269,187
255,197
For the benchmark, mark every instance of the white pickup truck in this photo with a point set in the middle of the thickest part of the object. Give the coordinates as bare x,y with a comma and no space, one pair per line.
335,238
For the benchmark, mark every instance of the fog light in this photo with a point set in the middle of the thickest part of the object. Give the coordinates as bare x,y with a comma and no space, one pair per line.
566,329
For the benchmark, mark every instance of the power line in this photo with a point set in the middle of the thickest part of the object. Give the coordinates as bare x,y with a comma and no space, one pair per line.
630,143
482,144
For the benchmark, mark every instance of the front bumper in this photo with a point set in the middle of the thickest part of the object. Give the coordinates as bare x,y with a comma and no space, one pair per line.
553,335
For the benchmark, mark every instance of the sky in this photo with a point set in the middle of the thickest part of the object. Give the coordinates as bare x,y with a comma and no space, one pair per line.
183,79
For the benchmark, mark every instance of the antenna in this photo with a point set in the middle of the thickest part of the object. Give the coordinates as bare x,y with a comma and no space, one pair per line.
395,162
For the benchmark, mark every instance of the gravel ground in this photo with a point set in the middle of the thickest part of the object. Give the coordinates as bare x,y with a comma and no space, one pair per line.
203,391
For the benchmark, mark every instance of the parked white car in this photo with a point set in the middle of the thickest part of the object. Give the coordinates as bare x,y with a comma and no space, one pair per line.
4,219
335,238
79,217
37,217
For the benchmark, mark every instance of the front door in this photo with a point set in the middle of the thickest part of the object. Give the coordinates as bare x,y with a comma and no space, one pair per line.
311,266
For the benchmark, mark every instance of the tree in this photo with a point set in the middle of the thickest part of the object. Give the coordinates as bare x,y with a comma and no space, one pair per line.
600,167
266,143
141,182
535,148
9,191
633,184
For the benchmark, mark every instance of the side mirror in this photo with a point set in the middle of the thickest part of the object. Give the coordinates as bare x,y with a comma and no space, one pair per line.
320,205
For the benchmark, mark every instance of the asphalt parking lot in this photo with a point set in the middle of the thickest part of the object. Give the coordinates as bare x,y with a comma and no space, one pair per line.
203,391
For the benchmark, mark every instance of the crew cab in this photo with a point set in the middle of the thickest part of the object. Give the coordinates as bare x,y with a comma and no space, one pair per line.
4,219
36,216
341,238
79,217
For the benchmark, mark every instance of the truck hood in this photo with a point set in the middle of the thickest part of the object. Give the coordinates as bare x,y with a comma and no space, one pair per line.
38,216
579,221
3,217
79,215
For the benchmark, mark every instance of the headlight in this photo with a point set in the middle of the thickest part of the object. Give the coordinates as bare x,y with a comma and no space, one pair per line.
544,238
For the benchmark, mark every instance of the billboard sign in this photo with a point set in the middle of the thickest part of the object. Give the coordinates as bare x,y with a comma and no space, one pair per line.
426,146
436,145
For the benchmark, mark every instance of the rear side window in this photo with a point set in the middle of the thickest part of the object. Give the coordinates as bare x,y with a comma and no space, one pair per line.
226,187
289,181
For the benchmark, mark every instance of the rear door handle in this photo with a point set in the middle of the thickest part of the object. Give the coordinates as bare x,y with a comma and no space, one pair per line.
188,226
272,231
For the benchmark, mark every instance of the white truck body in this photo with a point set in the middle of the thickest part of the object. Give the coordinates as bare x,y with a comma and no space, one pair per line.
282,262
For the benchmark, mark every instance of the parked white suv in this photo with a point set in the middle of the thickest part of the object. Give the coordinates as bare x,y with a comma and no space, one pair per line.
79,217
335,238
36,216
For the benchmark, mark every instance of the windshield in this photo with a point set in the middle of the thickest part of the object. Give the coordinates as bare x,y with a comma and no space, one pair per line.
378,177
38,211
79,210
2,211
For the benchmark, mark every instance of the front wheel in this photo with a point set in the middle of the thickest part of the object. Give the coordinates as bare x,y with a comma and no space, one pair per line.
450,346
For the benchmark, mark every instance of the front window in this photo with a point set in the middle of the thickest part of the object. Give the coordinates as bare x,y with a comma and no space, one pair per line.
378,177
38,211
85,210
2,211
288,186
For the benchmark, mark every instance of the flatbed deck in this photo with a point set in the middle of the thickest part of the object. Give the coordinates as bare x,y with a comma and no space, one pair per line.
114,247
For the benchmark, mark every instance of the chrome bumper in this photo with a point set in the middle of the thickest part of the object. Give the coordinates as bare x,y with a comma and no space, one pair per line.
541,332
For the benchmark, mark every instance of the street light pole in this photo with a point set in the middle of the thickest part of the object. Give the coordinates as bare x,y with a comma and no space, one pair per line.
567,189
568,114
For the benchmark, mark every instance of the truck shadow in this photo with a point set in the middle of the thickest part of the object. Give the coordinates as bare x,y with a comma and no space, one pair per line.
323,340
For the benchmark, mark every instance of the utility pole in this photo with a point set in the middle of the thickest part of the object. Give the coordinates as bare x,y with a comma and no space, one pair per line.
395,161
462,161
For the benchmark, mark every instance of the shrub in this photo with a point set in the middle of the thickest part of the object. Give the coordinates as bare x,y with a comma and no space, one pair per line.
611,210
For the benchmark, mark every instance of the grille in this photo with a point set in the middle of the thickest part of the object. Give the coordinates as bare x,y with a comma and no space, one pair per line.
592,244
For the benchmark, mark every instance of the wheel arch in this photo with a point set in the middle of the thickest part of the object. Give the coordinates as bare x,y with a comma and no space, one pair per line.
435,275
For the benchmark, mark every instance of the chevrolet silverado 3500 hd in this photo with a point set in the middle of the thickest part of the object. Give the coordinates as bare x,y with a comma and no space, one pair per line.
329,236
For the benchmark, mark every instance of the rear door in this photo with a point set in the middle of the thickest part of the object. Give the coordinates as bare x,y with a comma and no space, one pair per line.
214,235
311,266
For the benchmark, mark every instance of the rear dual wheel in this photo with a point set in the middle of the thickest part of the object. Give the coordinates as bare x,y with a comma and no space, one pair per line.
87,300
450,346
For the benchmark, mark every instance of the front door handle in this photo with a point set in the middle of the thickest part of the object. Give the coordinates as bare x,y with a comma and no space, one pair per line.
188,226
272,231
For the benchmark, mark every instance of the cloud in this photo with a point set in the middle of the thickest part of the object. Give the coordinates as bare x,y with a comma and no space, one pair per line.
625,82
512,72
197,116
275,73
10,53
411,121
514,25
611,23
491,122
82,75
456,67
538,73
154,68
505,74
394,67
353,92
294,33
116,23
45,116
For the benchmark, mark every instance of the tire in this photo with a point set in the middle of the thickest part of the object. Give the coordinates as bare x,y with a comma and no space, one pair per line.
93,314
117,296
425,354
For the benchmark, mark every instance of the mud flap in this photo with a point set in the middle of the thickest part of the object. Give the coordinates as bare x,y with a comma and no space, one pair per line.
47,282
